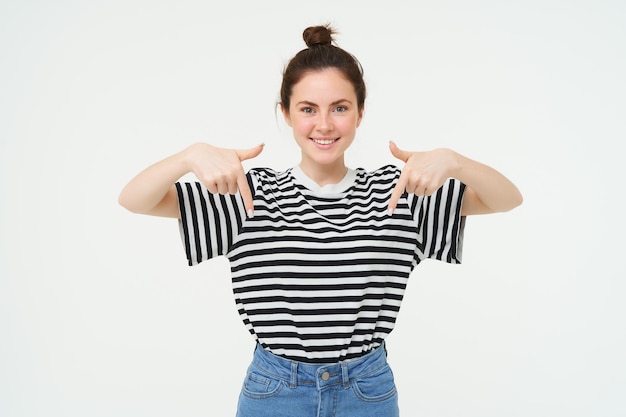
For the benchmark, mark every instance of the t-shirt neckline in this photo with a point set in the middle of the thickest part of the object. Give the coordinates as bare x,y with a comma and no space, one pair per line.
329,189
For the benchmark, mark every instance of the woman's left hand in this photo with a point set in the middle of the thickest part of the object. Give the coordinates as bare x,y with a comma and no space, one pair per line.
423,173
487,190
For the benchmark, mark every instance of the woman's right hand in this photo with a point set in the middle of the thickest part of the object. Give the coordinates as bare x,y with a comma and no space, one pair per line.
153,192
221,169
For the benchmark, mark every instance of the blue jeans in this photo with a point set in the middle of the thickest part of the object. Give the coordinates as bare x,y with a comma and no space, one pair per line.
279,387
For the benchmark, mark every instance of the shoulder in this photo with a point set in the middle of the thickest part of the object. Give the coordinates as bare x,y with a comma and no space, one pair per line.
379,181
386,170
267,177
386,173
267,173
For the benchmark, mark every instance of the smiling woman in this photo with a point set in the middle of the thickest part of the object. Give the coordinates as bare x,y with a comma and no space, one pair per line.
320,254
324,116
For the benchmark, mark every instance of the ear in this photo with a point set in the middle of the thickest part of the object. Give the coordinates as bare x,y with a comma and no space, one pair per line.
358,121
286,116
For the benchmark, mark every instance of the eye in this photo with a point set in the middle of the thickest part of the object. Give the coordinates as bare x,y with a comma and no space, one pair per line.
306,110
341,109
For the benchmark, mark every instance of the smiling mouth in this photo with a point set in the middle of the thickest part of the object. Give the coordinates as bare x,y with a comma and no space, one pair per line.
324,141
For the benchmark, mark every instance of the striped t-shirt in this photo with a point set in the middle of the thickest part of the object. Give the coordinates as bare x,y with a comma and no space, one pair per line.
319,273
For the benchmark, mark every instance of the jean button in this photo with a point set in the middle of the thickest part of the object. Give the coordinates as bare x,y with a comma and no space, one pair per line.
325,376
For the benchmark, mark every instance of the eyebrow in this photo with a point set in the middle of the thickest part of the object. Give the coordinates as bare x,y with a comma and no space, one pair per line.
334,103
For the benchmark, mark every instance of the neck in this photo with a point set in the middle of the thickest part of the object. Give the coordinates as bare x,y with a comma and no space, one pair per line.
325,174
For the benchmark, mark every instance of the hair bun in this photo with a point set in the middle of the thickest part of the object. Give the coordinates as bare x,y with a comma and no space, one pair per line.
318,35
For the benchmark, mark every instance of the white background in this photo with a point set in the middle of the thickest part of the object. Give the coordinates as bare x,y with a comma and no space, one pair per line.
100,314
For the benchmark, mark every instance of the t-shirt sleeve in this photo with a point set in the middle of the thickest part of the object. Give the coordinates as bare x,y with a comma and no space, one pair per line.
440,225
208,223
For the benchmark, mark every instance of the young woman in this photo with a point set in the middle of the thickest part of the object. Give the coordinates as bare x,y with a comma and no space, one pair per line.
320,254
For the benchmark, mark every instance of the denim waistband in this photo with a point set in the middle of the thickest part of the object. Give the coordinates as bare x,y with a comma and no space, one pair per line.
321,375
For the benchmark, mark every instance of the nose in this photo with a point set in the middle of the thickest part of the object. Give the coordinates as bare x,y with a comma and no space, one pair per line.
325,123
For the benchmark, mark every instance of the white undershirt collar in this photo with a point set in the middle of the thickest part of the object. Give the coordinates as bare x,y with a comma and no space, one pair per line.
329,189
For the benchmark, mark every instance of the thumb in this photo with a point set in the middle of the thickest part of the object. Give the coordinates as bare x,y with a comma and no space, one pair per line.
398,153
244,154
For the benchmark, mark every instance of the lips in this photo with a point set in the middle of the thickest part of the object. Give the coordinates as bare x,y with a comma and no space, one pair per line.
324,141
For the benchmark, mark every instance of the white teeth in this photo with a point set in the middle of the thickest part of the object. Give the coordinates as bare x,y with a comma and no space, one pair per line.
324,141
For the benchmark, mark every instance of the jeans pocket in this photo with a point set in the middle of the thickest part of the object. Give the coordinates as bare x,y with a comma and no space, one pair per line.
259,386
375,387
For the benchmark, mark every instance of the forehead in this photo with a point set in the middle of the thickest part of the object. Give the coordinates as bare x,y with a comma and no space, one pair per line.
326,85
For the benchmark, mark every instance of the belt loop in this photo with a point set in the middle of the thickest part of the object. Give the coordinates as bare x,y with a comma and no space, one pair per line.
293,383
344,375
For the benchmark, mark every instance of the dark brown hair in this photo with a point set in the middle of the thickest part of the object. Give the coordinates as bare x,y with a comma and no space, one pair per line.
321,54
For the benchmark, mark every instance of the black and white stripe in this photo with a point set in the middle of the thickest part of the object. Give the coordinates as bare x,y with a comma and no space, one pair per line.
317,277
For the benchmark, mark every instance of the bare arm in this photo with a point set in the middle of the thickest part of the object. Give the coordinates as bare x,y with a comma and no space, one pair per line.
153,192
488,191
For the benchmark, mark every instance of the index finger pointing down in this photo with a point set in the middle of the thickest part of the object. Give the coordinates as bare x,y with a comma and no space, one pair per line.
246,194
396,194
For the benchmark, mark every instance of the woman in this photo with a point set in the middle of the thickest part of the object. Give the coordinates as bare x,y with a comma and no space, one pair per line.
320,253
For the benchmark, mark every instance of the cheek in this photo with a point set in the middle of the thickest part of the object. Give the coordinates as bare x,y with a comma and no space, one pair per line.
348,125
302,126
